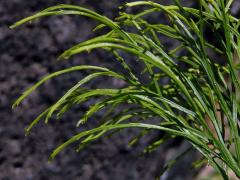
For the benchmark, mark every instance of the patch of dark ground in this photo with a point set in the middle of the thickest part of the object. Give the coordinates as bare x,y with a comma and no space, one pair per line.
26,54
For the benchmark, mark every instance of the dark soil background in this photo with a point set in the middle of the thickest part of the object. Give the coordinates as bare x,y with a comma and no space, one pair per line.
29,52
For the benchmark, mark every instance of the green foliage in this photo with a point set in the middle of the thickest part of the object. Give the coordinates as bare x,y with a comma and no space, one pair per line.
200,102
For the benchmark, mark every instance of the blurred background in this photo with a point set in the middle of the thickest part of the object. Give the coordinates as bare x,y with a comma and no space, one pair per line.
30,52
